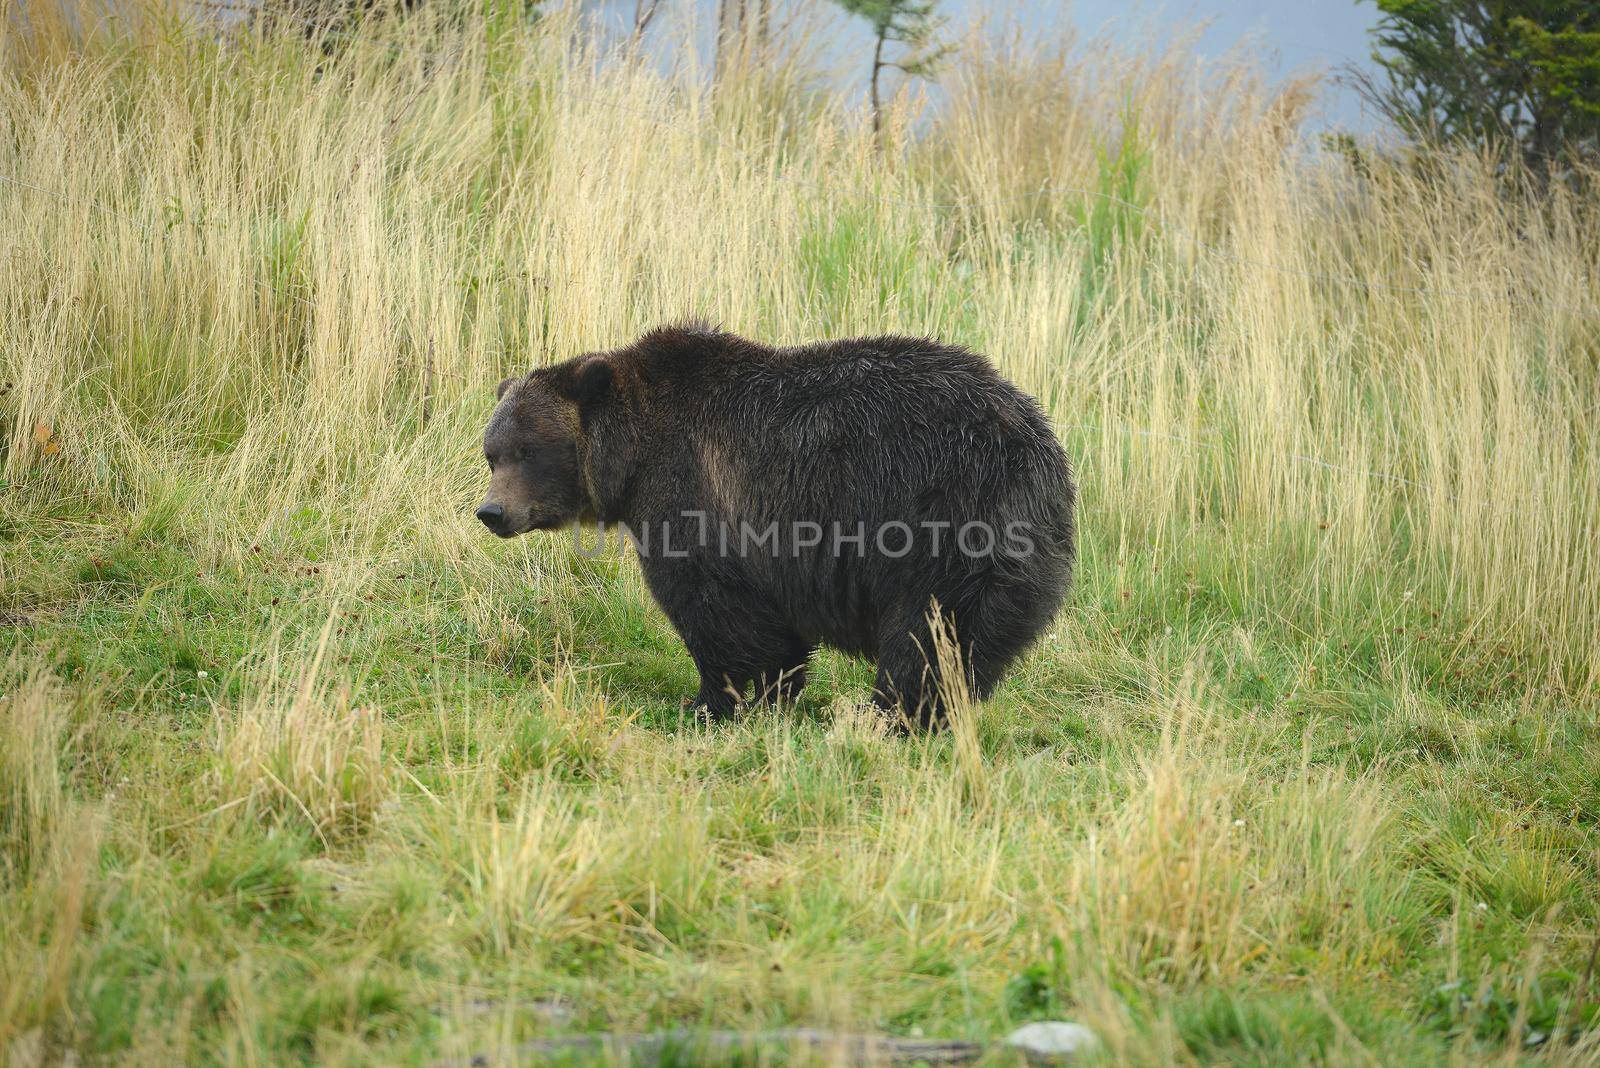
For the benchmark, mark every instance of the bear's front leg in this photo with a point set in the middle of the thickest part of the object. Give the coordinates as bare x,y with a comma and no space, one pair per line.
774,670
730,633
718,695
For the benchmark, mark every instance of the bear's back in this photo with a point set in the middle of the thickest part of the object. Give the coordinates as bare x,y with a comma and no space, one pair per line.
869,428
853,390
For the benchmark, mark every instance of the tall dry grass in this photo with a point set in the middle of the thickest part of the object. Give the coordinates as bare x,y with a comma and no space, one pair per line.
254,293
33,730
241,263
302,752
48,845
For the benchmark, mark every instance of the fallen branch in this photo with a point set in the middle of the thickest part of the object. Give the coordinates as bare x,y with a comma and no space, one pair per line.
667,1046
1046,1043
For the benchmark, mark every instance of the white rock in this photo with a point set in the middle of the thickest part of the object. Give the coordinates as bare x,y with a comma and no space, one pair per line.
1052,1041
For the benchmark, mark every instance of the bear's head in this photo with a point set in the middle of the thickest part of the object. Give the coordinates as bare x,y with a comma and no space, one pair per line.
538,446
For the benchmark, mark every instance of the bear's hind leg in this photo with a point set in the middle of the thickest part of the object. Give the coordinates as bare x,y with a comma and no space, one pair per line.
907,685
1002,623
910,684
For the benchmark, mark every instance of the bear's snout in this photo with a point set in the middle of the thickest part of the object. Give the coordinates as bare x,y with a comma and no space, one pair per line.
493,516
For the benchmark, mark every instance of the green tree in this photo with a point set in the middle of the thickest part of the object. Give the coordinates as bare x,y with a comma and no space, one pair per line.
910,26
1526,72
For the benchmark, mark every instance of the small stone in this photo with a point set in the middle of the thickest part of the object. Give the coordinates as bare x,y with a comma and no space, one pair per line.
1052,1041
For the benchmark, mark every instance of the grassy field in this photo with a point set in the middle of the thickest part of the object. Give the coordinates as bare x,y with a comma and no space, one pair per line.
298,764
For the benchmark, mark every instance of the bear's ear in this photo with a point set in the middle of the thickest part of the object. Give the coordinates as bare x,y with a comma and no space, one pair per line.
588,382
505,384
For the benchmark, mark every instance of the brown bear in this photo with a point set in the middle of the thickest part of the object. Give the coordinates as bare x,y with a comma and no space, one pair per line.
781,498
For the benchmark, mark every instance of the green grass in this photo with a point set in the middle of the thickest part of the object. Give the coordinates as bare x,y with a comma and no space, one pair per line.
769,872
299,765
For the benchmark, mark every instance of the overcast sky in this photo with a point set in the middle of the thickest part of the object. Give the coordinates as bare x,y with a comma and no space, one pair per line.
1292,36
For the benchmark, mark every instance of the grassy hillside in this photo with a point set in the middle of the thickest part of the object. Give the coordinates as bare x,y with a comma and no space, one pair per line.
297,763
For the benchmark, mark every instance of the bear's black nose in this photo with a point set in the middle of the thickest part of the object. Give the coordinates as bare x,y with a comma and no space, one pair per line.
491,515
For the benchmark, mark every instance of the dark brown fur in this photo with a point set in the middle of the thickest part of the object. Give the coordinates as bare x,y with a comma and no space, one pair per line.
871,431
